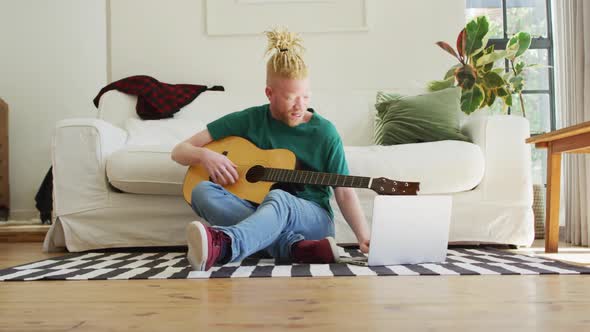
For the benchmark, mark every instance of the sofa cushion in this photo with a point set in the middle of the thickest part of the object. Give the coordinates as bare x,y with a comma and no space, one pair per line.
145,169
441,167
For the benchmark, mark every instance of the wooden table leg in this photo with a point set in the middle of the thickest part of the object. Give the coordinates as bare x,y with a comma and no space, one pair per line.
552,200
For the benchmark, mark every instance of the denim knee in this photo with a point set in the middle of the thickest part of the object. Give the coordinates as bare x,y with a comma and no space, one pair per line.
277,195
202,191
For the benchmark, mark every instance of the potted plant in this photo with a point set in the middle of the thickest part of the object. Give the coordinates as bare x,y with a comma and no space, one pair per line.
481,81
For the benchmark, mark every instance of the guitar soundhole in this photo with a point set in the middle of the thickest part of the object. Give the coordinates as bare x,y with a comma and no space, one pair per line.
255,174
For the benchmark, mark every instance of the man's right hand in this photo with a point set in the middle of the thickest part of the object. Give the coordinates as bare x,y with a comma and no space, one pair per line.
221,170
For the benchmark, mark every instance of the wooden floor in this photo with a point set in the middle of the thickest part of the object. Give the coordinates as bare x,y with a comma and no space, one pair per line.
482,303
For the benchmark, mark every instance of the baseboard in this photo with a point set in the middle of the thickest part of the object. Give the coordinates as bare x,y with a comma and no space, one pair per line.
24,233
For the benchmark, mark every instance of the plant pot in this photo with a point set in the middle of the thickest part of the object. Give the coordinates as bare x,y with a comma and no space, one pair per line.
539,210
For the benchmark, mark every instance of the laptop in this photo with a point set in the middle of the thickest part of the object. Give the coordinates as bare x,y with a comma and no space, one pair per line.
409,230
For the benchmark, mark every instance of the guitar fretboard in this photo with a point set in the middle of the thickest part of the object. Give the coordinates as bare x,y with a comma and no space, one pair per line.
317,178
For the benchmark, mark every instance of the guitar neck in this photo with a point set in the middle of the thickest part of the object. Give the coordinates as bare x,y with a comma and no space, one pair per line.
317,178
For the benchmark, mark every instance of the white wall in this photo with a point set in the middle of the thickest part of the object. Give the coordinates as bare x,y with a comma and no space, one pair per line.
52,63
168,40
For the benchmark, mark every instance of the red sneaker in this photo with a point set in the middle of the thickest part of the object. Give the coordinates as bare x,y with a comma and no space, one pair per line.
205,245
322,251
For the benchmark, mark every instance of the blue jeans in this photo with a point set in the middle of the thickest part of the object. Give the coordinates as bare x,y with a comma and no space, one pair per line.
279,221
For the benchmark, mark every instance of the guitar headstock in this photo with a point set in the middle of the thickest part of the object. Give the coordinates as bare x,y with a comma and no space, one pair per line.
384,186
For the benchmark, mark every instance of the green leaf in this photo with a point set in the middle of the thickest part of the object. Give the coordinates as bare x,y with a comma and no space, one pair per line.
477,32
490,65
517,83
537,66
441,85
471,99
501,92
490,58
519,67
499,71
490,97
493,80
451,72
507,99
518,44
485,51
475,57
466,76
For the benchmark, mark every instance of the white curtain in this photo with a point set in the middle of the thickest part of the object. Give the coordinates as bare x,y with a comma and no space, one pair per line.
572,69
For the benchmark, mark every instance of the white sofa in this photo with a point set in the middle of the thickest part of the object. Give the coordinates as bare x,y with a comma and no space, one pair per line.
116,186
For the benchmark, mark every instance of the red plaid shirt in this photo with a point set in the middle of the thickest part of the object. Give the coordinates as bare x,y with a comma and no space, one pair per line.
156,100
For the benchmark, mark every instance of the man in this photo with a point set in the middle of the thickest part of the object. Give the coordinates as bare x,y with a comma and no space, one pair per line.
290,225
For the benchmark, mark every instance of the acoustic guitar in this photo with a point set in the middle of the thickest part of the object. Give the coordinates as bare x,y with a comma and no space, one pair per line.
259,169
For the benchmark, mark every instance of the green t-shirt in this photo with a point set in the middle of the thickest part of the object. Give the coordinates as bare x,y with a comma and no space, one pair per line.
316,144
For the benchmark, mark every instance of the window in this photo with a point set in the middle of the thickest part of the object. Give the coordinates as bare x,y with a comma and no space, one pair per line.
508,17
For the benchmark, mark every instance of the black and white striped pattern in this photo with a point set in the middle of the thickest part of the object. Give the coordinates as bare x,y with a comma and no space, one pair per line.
173,265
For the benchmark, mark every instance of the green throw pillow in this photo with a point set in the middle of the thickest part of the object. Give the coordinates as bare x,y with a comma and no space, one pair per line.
427,117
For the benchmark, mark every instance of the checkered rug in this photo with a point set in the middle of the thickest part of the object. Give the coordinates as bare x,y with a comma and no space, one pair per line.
173,265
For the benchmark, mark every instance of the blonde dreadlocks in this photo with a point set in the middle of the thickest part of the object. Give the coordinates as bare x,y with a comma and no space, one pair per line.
285,51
